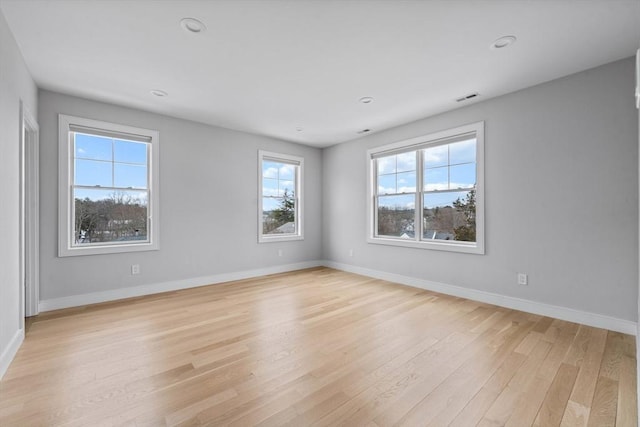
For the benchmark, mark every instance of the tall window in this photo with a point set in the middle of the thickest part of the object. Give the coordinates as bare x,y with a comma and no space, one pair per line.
108,185
428,192
280,197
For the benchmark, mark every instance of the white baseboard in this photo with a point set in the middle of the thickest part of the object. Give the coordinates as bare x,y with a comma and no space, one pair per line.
10,352
557,312
563,313
174,285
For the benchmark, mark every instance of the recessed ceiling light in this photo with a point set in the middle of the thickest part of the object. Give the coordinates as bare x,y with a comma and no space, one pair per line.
192,25
502,42
366,100
158,92
364,131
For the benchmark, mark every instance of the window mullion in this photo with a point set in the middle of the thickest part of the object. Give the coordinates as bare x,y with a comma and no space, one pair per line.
100,187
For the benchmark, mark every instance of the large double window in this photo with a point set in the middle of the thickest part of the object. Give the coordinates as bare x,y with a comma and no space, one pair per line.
428,192
280,197
108,187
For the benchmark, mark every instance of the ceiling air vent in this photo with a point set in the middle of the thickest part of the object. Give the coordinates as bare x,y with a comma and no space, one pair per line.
467,97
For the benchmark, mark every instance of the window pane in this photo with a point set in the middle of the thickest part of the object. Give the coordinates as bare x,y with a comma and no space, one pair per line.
387,184
130,176
287,172
92,173
270,169
386,165
396,216
436,179
436,156
463,176
462,152
269,187
450,216
106,216
406,182
93,147
288,187
130,152
278,215
406,162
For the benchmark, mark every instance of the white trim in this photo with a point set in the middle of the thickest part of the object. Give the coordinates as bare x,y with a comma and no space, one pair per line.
29,214
557,312
637,93
416,144
10,351
174,285
462,247
65,209
299,182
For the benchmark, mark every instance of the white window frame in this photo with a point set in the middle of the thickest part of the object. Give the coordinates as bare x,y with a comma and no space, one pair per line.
416,144
299,193
66,207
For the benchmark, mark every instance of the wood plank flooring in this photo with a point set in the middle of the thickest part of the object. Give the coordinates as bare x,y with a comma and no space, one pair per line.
315,347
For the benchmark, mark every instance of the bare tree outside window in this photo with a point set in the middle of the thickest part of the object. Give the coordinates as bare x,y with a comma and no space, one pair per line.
118,217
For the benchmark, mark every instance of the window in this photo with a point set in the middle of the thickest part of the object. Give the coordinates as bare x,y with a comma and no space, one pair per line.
108,182
428,192
280,197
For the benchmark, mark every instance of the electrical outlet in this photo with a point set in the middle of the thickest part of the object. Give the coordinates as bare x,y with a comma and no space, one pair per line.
350,252
523,279
135,269
279,252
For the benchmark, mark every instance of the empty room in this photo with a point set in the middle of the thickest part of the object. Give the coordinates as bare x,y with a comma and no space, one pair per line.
319,212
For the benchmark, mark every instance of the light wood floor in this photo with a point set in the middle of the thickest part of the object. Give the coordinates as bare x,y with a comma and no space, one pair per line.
316,347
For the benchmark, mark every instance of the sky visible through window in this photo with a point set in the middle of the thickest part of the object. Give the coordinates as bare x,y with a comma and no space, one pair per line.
276,179
109,165
445,168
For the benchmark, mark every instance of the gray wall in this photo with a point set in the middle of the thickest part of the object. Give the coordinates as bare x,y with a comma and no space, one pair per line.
561,178
15,84
208,204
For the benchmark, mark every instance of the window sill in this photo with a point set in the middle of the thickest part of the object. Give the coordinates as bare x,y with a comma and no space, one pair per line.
276,238
106,249
461,247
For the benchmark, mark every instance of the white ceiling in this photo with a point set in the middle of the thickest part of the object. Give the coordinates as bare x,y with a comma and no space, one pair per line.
272,66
